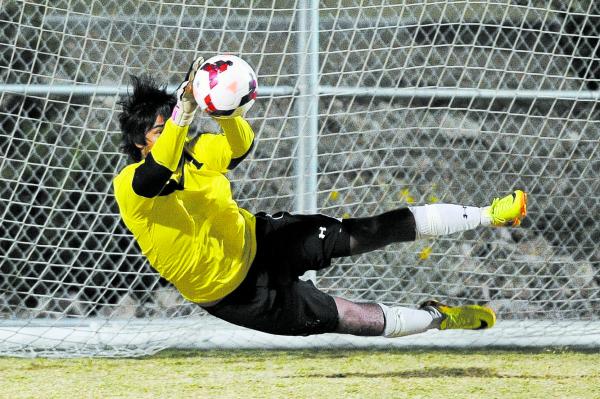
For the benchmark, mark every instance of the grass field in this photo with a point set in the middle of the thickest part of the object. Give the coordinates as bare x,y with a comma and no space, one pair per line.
310,374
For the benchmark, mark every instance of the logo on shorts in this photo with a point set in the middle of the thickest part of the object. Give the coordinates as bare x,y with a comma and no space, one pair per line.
322,231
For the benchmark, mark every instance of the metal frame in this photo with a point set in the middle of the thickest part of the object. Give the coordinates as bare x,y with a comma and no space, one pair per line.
308,92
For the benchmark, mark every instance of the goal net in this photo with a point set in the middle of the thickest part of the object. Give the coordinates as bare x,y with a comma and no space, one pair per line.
363,107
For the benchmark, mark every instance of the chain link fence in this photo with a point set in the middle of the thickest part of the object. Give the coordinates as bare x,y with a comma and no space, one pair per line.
522,112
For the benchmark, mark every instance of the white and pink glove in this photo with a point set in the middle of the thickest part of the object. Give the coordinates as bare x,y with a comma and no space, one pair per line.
185,109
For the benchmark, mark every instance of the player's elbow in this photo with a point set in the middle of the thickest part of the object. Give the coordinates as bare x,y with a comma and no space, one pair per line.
150,178
145,189
237,160
239,134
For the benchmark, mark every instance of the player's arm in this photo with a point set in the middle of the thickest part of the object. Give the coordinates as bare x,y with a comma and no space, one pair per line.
151,176
224,151
154,172
240,136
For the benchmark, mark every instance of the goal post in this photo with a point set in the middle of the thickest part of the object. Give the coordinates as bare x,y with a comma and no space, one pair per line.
362,108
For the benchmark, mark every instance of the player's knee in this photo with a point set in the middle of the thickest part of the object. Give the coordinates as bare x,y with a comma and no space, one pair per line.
375,232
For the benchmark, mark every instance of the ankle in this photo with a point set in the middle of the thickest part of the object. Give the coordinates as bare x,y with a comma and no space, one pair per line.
401,321
486,217
437,316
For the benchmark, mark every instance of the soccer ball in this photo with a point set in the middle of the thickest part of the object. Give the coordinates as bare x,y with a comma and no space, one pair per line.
225,86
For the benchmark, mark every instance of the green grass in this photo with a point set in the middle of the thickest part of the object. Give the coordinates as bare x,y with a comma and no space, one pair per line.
310,374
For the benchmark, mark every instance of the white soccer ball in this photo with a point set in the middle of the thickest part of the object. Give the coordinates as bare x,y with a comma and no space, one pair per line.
225,86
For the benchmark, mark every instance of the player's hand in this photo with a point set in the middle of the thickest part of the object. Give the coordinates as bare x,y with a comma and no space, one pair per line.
185,109
239,111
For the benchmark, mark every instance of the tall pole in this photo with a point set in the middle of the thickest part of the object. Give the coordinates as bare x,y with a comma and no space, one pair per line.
307,108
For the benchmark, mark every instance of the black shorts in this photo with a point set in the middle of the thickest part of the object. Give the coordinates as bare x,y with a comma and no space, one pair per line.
272,298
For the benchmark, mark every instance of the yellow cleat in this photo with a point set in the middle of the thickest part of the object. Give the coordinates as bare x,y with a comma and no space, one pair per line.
468,317
508,210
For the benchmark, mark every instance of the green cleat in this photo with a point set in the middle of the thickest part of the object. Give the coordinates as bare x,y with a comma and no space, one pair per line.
468,317
508,211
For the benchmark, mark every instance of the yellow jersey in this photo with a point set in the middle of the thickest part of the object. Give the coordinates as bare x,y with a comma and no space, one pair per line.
178,204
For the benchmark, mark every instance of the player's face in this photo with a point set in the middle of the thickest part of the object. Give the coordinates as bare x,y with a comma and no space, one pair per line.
152,135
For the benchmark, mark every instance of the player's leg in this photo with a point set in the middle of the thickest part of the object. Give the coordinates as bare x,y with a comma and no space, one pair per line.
310,241
372,319
368,319
361,235
274,301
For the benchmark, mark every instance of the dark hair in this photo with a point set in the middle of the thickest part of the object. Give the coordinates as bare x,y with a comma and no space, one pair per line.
140,109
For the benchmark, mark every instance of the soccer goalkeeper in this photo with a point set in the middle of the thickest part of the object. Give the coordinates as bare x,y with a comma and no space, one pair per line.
245,268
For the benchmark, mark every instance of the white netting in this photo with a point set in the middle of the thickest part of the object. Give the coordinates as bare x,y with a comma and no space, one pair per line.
424,101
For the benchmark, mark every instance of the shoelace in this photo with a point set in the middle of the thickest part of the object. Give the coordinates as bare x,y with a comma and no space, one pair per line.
438,317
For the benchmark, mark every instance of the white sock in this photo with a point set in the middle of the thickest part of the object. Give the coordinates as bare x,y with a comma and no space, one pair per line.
401,321
443,219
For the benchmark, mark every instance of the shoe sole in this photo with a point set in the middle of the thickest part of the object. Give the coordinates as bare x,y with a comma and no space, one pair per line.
482,325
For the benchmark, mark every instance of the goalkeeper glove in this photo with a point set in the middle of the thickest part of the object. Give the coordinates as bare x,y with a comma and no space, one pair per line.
185,109
239,111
